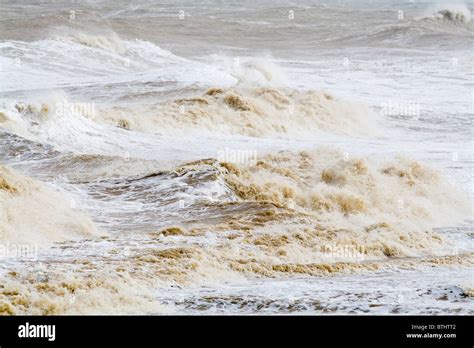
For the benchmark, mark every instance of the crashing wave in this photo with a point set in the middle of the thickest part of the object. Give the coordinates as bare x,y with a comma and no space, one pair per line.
453,16
455,13
257,112
33,214
109,42
312,199
317,212
91,57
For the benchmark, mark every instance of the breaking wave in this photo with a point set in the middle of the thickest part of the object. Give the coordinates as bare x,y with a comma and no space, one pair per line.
86,58
32,213
309,213
293,208
437,25
289,213
248,97
453,12
257,112
109,41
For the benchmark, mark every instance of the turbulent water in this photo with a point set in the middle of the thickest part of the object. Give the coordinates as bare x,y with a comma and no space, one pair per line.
260,157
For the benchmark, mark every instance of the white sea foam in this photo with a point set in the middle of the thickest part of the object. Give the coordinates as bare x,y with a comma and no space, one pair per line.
32,213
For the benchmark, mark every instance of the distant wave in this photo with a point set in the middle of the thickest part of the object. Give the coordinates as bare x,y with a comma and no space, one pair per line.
452,22
454,15
449,12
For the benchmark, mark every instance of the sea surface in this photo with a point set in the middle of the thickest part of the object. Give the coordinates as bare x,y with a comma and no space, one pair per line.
220,157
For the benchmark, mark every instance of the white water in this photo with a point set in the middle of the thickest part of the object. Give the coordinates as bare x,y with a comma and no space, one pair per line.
421,64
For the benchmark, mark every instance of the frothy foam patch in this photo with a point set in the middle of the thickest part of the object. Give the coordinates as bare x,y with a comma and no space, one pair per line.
258,112
312,213
58,291
42,114
34,214
26,117
329,181
313,203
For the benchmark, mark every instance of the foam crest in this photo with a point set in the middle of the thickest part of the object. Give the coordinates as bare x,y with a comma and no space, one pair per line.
258,112
401,192
34,214
455,12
